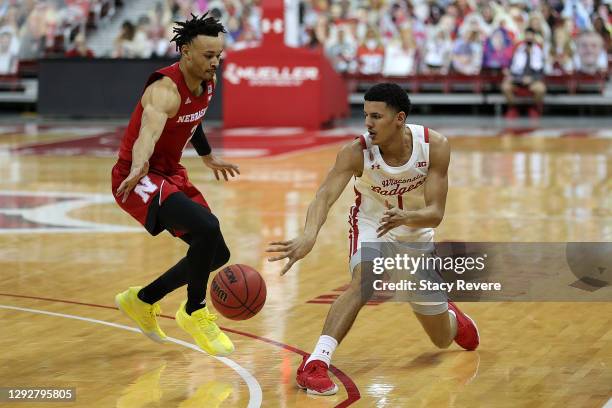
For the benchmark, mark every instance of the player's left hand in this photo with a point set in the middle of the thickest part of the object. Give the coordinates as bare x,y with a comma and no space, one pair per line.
220,166
392,218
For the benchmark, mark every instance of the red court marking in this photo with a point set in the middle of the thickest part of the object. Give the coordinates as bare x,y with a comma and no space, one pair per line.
351,388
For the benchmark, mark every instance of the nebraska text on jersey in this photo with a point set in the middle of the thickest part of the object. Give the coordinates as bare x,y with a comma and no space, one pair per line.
192,117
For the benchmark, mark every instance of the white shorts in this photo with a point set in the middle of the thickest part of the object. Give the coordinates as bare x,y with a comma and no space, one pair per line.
364,246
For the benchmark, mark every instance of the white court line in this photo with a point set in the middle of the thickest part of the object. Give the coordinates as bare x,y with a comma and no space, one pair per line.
608,404
255,394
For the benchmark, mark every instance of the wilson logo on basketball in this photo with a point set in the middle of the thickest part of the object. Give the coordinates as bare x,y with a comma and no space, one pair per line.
220,293
230,275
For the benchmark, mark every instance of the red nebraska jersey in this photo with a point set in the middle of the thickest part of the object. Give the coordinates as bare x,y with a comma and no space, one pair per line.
179,128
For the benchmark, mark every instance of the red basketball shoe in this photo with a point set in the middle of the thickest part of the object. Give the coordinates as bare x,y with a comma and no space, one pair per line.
467,332
313,378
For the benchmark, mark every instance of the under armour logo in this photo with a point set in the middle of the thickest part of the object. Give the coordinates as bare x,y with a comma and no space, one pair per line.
325,352
187,101
421,164
375,166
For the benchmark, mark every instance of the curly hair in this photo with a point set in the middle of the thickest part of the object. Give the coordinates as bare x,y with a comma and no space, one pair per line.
186,31
391,94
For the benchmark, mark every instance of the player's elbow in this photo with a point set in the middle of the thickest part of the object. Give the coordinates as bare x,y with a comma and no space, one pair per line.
436,218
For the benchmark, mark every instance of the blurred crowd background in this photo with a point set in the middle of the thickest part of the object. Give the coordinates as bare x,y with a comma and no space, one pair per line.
379,37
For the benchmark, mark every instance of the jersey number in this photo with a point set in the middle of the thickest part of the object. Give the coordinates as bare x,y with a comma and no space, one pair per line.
144,188
192,133
400,202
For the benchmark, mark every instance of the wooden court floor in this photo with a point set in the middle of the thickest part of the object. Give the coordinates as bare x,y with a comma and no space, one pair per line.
59,276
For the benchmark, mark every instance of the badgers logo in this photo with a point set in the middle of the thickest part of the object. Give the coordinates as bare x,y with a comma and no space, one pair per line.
230,275
221,294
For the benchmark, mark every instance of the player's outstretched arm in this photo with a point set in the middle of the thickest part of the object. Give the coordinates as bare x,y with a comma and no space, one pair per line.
436,187
160,101
349,162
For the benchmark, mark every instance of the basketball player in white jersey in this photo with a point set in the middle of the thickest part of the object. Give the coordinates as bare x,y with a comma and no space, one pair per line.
400,173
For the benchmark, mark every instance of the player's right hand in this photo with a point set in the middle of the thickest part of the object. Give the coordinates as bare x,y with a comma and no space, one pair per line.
127,185
294,250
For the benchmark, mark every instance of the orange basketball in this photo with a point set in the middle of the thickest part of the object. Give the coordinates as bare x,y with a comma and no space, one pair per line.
238,292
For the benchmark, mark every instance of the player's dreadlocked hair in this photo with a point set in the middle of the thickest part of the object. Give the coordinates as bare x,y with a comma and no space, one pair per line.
186,31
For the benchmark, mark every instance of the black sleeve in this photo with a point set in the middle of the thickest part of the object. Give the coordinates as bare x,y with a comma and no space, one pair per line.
199,142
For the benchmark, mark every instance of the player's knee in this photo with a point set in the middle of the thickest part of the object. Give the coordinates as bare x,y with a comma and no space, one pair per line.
222,256
207,228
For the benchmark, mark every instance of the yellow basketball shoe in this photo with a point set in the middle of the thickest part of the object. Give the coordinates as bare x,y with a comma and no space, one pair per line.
202,327
143,314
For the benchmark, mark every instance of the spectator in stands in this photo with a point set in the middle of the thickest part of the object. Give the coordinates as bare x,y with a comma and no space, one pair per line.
371,54
80,49
342,51
467,53
591,57
401,55
39,30
8,52
437,53
13,17
488,18
497,53
526,71
561,60
160,18
435,12
124,43
320,30
540,27
142,45
604,29
576,11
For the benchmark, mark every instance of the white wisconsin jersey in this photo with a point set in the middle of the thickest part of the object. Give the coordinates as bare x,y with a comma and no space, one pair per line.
401,186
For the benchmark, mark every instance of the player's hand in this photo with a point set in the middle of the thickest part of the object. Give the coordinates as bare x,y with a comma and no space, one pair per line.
527,80
128,184
392,218
220,166
294,250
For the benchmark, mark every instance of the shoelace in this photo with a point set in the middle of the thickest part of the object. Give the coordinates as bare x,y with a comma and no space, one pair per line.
319,370
206,321
153,311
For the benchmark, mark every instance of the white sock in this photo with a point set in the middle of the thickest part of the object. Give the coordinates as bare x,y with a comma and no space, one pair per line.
324,349
453,323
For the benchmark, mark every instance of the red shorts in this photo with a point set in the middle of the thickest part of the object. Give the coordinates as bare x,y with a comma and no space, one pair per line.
146,198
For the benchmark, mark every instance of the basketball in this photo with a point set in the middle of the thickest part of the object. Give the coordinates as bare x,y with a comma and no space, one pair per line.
238,292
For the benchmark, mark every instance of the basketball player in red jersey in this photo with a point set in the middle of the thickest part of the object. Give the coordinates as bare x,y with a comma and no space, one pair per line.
394,162
149,183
